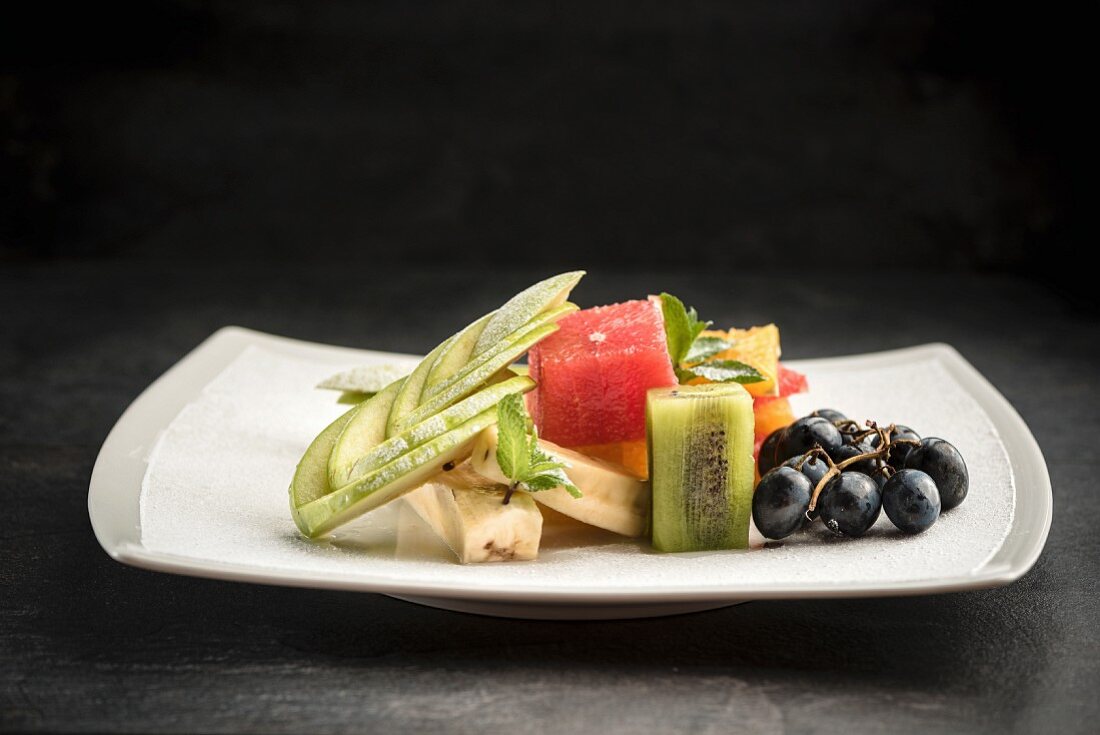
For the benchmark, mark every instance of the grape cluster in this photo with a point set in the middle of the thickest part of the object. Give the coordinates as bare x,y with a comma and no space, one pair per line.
828,466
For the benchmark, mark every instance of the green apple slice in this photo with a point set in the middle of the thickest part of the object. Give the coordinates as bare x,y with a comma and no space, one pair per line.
457,354
408,398
477,376
390,481
440,364
504,347
365,430
427,430
365,378
352,397
525,306
311,476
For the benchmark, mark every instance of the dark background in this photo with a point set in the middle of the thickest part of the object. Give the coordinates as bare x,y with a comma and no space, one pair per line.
789,135
868,175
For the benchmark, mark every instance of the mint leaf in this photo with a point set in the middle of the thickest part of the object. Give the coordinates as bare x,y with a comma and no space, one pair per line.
697,326
682,326
542,482
684,375
541,462
519,455
677,327
722,371
513,452
548,472
541,468
691,354
551,480
706,347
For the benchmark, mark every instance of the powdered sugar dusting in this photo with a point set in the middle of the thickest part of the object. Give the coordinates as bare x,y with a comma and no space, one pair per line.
365,378
523,307
216,489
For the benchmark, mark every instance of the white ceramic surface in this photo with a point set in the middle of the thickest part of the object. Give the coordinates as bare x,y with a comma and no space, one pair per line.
991,540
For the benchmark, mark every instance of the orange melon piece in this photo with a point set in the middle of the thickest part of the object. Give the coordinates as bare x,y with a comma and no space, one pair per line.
631,455
772,414
757,346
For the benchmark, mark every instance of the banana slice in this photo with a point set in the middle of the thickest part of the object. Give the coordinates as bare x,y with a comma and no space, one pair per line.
613,498
473,520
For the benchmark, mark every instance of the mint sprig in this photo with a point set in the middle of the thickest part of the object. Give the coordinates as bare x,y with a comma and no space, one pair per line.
705,348
520,457
692,354
682,327
721,371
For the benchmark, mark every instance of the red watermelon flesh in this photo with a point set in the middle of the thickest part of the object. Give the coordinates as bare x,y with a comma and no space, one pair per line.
593,374
791,381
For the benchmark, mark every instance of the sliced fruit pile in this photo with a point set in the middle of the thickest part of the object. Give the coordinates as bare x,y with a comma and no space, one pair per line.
409,430
614,396
829,466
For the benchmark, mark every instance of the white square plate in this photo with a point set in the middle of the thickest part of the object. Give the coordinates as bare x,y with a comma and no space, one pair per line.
171,493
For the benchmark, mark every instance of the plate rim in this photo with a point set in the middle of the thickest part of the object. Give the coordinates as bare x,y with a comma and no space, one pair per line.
114,493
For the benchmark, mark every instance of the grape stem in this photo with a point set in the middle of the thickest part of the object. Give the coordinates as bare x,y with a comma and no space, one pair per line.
883,453
848,426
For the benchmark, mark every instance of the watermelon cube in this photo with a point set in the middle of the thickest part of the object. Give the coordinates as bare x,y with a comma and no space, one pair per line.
593,374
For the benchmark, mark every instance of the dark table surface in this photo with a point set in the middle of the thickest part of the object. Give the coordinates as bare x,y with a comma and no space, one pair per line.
87,644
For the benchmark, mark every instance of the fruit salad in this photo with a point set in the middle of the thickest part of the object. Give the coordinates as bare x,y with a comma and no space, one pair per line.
637,418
